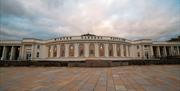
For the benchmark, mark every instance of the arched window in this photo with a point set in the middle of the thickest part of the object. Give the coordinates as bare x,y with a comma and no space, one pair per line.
101,50
49,51
71,50
118,50
81,50
54,51
62,50
110,50
91,50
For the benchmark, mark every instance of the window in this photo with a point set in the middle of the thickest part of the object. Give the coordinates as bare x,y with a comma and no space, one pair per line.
38,46
137,46
110,50
145,46
101,50
54,51
62,50
138,54
81,50
118,50
71,50
91,49
37,54
146,55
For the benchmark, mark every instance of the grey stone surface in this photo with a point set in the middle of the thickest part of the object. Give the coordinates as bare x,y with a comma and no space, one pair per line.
124,78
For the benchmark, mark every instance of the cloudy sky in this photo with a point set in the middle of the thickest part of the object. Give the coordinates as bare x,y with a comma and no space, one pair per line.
131,19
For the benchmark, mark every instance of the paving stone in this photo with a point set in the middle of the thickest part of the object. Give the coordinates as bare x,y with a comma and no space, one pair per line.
120,88
124,78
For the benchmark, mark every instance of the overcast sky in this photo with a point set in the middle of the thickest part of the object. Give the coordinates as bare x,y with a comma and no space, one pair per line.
131,19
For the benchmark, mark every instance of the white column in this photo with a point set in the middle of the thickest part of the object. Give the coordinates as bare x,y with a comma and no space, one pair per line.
122,50
12,53
164,50
76,50
143,52
4,53
86,49
66,50
127,53
22,52
58,51
158,52
152,53
178,50
32,52
106,50
134,50
51,51
96,50
129,50
115,50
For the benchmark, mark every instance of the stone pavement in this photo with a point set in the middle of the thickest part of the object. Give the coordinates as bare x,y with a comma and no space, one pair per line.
123,78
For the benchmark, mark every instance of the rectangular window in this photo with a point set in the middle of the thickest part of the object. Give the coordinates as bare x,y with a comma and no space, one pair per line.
37,55
137,46
138,54
38,46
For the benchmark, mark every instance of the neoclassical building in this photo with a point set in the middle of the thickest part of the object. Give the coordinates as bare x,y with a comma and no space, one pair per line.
86,47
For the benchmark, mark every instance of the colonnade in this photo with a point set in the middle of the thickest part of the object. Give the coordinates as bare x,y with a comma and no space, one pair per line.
71,50
163,51
9,52
88,50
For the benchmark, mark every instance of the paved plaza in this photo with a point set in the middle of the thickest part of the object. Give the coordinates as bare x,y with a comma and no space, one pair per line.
123,78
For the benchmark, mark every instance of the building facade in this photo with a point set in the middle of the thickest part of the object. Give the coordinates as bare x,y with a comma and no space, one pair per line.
85,47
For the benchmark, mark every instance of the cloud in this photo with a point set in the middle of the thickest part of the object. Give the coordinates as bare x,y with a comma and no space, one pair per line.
132,19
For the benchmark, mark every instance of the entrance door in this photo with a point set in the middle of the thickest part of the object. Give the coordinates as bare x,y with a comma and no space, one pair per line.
28,56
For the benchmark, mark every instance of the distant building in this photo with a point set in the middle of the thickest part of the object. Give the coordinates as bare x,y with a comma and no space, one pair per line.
87,46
